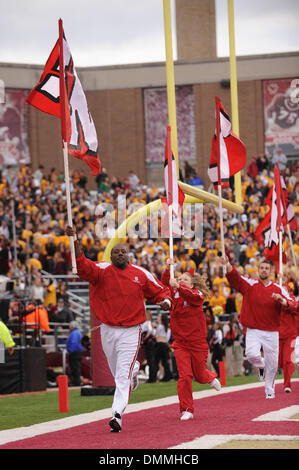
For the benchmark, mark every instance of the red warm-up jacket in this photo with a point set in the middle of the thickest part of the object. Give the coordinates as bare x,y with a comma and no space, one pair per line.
288,323
259,310
117,295
187,319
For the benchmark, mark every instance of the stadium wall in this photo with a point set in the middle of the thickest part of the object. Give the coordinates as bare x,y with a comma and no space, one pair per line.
116,101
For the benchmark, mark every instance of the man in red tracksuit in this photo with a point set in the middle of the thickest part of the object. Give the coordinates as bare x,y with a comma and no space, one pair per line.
260,316
189,330
287,340
117,293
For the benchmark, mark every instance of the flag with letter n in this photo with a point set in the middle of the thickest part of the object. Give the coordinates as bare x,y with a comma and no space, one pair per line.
60,93
228,153
267,232
288,212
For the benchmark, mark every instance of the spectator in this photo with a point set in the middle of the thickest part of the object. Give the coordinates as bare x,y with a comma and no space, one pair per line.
6,338
50,293
280,158
37,288
82,179
75,350
133,180
189,171
4,230
162,336
64,314
101,178
38,321
86,343
217,299
262,162
38,175
252,168
228,344
216,346
148,342
4,256
34,262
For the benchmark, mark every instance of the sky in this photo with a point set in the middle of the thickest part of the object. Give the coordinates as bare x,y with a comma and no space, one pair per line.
113,32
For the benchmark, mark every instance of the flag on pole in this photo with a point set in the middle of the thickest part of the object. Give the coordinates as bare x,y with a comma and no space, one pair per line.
174,195
288,213
228,154
60,93
267,232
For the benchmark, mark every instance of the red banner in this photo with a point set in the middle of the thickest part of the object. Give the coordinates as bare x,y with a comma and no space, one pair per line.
281,107
14,128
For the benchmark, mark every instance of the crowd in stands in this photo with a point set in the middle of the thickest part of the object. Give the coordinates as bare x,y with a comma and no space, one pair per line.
37,241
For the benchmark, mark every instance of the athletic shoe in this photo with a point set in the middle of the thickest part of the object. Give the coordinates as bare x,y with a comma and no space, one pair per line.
270,395
287,390
115,423
186,415
216,384
135,381
261,374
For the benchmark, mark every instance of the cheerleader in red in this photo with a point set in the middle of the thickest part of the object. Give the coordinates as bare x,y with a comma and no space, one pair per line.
189,330
287,340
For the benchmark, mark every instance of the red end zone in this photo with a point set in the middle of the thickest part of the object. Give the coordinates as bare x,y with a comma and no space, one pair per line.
160,428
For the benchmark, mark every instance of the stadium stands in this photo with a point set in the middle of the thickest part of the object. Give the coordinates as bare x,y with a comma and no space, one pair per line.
37,259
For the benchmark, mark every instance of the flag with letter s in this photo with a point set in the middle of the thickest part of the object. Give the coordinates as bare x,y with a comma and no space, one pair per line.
68,103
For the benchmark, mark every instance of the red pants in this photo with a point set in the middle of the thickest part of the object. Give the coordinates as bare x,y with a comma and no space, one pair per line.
191,363
285,360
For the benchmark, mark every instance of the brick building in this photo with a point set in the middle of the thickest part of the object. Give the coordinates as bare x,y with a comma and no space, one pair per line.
129,108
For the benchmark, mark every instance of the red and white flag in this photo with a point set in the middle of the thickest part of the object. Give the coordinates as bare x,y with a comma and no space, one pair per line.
267,232
288,212
60,93
174,195
228,154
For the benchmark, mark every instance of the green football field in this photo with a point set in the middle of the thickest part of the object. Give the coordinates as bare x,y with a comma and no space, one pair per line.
38,407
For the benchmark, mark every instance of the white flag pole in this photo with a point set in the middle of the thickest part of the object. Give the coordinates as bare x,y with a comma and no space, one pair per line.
221,224
68,202
280,258
217,101
170,240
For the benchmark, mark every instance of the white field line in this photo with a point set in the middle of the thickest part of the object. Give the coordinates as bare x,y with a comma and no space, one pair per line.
285,414
16,434
209,441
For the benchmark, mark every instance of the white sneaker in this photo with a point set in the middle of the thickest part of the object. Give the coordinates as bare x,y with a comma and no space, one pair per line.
287,390
186,415
135,381
216,384
115,423
270,395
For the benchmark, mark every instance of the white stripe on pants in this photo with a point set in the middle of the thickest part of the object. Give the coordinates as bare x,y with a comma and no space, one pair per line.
269,341
121,346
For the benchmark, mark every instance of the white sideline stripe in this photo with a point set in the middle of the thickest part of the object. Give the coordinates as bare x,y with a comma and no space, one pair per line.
281,415
209,441
16,434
